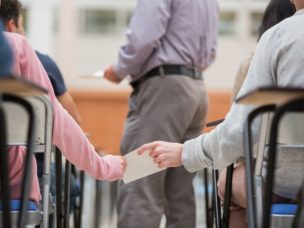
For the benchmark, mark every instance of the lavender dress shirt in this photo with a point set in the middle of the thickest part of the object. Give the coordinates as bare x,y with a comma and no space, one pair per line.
169,32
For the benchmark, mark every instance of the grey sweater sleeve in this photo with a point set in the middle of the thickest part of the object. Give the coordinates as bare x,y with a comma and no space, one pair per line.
224,144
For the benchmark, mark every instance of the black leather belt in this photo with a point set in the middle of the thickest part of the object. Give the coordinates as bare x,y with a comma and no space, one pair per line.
168,70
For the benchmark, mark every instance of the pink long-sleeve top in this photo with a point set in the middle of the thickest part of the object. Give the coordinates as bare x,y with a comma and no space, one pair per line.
67,135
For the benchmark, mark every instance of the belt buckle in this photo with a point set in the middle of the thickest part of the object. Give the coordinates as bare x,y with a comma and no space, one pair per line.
161,71
197,74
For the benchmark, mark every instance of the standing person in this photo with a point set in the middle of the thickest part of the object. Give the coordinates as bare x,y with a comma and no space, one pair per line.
169,44
277,62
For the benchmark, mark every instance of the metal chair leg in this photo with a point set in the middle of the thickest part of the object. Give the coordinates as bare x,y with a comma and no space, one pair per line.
59,211
5,194
67,190
217,201
98,203
208,205
227,197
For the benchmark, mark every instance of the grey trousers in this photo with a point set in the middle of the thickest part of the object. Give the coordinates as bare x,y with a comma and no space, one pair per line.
171,108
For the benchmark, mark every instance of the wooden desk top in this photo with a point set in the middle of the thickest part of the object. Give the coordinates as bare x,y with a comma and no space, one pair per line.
19,86
268,96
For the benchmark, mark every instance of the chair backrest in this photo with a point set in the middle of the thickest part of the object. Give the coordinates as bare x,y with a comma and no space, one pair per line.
26,182
290,134
291,131
16,131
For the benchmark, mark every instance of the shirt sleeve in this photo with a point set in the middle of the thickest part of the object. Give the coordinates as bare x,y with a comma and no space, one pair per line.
223,145
147,26
54,74
67,135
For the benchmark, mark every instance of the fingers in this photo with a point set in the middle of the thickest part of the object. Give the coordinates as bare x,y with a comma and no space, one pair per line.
148,146
124,164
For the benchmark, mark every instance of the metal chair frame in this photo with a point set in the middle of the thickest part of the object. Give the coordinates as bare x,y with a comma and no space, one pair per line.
22,219
292,106
254,200
41,144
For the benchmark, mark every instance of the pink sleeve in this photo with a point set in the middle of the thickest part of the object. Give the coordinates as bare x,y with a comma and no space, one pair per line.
67,135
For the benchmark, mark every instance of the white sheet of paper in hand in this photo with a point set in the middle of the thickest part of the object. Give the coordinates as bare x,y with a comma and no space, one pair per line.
97,74
139,166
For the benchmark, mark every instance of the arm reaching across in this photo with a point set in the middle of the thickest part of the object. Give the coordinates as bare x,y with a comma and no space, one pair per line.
67,135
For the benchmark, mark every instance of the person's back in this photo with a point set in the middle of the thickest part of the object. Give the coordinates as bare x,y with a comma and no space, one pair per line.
287,53
189,39
169,32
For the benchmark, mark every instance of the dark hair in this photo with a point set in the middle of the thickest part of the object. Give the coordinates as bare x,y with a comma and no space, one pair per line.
276,11
10,9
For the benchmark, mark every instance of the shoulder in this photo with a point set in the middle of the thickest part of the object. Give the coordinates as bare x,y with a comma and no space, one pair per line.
46,60
286,30
17,42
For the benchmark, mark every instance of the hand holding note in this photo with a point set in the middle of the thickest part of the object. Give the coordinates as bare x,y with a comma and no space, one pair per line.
110,75
164,154
139,166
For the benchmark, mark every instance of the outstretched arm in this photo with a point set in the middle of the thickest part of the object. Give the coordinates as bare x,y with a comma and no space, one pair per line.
67,135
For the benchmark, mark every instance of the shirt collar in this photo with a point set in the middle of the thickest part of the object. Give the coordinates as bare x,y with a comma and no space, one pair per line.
301,11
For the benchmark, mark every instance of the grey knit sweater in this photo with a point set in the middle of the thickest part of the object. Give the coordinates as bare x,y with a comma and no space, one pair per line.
278,61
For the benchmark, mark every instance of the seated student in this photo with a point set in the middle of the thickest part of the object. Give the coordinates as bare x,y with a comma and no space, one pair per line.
275,12
10,14
67,135
277,61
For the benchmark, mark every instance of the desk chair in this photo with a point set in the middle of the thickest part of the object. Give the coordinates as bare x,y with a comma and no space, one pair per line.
281,214
22,205
41,144
258,197
62,198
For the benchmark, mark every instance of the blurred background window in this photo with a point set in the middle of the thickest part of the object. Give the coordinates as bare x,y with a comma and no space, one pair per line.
98,21
25,18
256,19
227,23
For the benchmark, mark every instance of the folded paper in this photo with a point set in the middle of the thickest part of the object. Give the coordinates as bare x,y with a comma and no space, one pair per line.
139,166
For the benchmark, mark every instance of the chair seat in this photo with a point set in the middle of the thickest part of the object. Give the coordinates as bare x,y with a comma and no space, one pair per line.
15,205
284,209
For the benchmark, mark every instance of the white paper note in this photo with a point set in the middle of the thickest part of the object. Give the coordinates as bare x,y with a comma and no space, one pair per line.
97,74
139,166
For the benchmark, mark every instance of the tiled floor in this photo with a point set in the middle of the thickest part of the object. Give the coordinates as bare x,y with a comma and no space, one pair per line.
105,216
